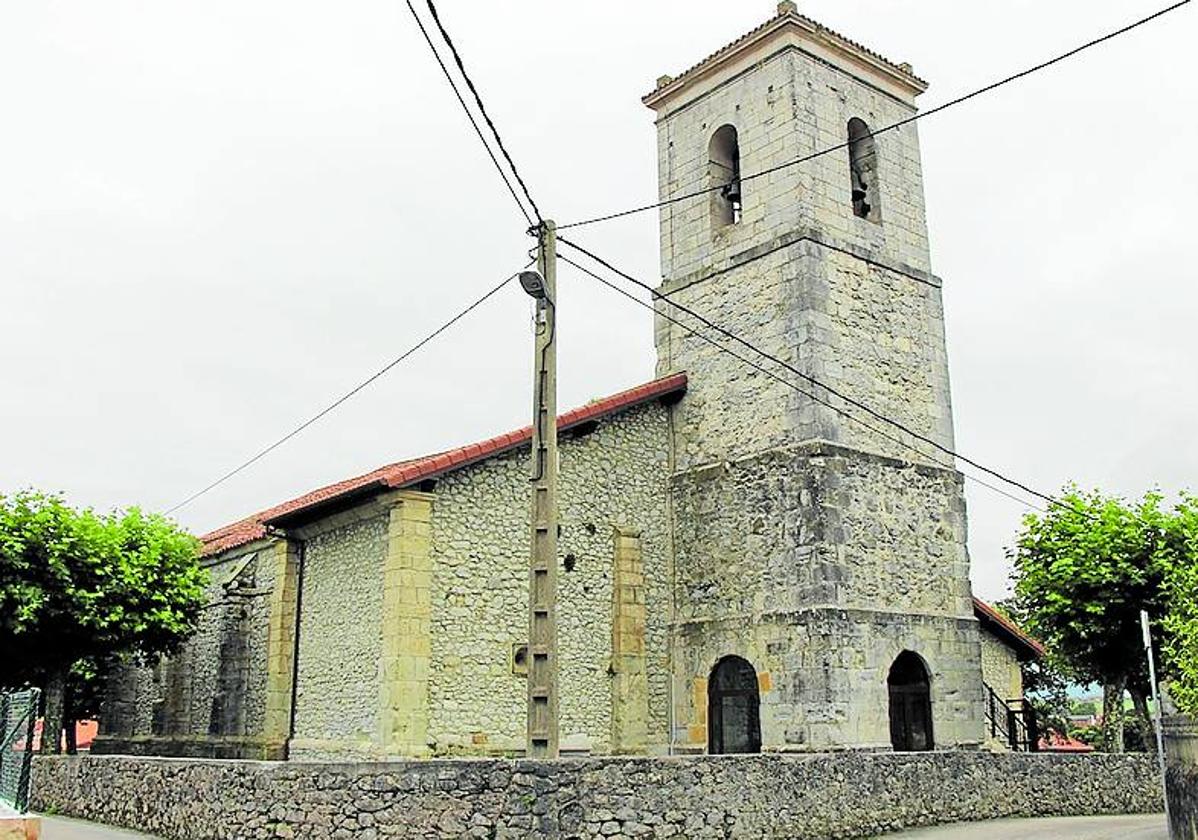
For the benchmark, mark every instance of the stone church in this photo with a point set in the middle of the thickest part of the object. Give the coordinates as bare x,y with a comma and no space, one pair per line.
742,567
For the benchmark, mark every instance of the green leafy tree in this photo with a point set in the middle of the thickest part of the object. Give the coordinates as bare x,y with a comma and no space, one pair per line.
77,588
1047,689
84,694
1181,621
1091,735
1083,572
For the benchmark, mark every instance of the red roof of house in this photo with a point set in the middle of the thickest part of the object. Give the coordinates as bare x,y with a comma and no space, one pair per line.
1056,742
1005,627
406,473
85,734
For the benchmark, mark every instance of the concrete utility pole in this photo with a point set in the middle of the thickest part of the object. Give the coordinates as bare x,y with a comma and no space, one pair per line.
542,579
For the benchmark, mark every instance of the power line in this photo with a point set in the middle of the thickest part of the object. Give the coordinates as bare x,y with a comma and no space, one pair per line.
347,395
905,121
414,348
812,380
771,374
482,109
470,116
786,242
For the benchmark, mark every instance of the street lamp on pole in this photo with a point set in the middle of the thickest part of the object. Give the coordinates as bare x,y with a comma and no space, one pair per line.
541,285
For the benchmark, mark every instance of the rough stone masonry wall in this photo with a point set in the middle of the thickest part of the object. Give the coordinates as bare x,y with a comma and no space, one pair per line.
615,476
876,335
788,106
1181,774
846,300
869,332
833,97
340,641
210,696
1182,784
818,525
1000,667
806,543
819,566
813,797
731,409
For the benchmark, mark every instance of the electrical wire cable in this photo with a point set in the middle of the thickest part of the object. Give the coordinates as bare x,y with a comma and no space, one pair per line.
482,109
785,243
414,348
728,334
812,380
469,115
347,395
772,375
892,126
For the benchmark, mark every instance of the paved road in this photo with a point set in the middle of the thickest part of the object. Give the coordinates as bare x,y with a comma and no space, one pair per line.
1145,827
59,828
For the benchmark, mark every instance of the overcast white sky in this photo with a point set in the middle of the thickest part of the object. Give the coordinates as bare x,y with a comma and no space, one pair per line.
216,216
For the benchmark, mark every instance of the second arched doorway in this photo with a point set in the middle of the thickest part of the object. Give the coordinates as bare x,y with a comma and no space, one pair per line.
910,703
733,708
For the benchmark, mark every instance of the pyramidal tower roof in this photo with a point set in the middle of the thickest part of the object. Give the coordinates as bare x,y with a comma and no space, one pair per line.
787,29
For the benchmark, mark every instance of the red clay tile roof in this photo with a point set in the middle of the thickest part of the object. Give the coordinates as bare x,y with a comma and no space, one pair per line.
1012,631
407,473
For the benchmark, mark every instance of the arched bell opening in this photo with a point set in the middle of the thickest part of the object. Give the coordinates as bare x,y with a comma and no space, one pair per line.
723,163
863,171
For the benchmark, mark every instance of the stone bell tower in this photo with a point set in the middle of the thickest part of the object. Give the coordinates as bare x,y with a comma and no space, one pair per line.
821,552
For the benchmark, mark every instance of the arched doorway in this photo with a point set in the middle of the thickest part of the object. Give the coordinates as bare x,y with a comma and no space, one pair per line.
733,708
910,704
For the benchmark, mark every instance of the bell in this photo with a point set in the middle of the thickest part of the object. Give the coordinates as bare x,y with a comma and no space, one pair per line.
731,191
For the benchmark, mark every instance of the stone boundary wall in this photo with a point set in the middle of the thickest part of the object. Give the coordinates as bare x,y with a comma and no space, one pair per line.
1182,784
1181,775
813,796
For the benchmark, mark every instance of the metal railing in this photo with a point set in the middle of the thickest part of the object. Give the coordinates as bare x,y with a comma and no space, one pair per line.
18,712
1012,721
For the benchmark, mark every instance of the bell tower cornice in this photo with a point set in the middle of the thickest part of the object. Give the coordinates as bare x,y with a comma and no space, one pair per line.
786,30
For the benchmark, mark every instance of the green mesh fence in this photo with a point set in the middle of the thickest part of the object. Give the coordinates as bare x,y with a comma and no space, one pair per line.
18,711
